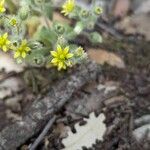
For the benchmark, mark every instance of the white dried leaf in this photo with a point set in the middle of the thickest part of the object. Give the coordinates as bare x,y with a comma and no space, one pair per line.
8,64
86,135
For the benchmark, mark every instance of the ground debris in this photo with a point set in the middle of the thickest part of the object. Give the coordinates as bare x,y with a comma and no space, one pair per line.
102,56
86,135
8,64
40,111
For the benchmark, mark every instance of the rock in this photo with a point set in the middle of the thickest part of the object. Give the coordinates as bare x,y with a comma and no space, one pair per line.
142,120
5,92
139,6
13,116
14,84
140,132
8,64
14,103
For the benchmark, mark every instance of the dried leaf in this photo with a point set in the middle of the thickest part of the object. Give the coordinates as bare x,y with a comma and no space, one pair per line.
121,8
86,135
32,24
140,132
102,56
62,130
10,86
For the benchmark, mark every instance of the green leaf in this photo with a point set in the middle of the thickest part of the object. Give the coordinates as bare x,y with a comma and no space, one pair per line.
46,36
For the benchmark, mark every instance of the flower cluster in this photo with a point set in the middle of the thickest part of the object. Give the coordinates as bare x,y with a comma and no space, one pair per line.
19,51
55,37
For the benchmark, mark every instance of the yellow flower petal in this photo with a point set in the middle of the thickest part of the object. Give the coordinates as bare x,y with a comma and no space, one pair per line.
2,8
23,54
66,50
4,48
54,60
64,67
5,35
27,49
69,63
17,54
60,65
53,53
69,55
59,49
2,2
4,42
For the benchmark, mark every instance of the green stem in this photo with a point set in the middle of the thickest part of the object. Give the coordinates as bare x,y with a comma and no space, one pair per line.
45,17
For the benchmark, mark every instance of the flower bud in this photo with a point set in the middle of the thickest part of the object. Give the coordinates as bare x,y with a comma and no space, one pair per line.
90,26
23,13
84,13
59,28
61,41
38,60
98,10
95,38
13,22
79,52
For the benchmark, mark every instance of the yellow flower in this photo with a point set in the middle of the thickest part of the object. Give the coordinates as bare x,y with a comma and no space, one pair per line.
68,7
13,22
22,50
2,8
61,57
4,42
